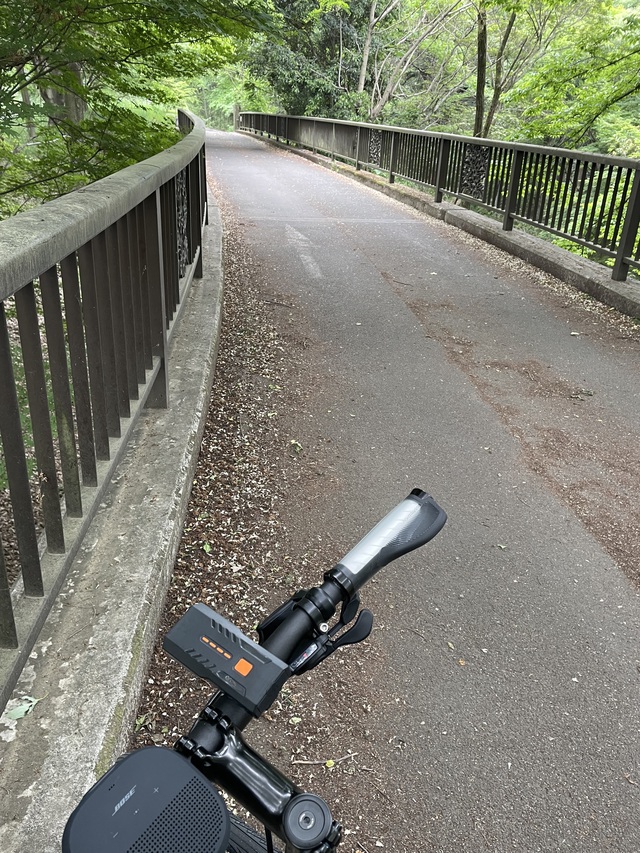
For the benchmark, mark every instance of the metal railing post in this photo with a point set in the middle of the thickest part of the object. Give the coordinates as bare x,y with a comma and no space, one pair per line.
203,187
443,167
54,325
514,189
96,374
117,320
629,232
358,150
142,291
8,631
125,268
40,420
107,354
393,157
159,395
16,467
170,231
195,218
79,376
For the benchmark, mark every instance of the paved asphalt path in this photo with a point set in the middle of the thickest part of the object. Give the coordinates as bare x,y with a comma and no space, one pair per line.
511,642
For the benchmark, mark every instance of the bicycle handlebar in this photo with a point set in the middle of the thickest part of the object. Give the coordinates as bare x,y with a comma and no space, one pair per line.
412,523
288,631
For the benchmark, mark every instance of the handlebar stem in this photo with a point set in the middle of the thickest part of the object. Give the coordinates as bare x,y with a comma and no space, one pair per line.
251,780
258,786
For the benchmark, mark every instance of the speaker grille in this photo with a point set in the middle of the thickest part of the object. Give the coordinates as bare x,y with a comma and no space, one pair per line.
193,822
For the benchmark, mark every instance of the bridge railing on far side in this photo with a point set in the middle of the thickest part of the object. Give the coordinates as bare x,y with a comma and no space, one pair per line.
587,199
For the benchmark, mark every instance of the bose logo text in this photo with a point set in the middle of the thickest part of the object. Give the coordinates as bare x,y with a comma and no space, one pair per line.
124,800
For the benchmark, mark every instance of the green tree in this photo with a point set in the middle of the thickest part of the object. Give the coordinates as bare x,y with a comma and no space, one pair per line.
564,72
214,95
312,67
79,80
404,41
513,36
350,60
592,71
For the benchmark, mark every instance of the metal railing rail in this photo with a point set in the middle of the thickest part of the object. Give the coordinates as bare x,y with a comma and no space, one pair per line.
587,199
90,287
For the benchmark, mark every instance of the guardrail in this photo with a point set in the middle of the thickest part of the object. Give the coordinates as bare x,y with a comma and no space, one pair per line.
90,287
590,200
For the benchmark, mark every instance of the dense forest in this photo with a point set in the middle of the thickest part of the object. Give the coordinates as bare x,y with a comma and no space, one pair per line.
88,86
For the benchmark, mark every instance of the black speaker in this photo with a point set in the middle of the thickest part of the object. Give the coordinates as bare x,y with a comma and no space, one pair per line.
151,801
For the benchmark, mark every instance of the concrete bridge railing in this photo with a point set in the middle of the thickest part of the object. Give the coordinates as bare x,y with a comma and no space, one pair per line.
91,285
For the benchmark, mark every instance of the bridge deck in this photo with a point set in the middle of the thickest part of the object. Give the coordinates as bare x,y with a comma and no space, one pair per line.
503,672
512,642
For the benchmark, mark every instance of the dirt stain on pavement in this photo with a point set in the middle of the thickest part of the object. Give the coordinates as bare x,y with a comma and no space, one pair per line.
586,452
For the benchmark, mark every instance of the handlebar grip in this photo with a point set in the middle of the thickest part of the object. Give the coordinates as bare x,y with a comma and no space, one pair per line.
412,523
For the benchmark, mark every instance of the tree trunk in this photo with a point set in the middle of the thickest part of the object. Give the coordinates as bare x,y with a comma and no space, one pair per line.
498,81
70,106
26,100
481,78
423,29
366,48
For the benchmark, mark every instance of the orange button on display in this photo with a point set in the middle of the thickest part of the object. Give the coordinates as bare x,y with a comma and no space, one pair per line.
243,667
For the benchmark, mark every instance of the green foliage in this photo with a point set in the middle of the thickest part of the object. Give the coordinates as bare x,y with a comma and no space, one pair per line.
351,106
81,79
593,67
58,162
618,131
313,66
553,66
214,95
69,48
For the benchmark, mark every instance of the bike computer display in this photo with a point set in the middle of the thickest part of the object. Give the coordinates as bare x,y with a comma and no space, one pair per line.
213,648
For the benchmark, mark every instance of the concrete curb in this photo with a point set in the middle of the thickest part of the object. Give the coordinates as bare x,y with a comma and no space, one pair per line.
93,653
586,276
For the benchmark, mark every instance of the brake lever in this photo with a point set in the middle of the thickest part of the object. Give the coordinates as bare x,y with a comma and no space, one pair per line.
326,645
347,613
357,633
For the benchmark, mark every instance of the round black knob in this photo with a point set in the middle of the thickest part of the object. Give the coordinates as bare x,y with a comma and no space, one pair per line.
307,821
